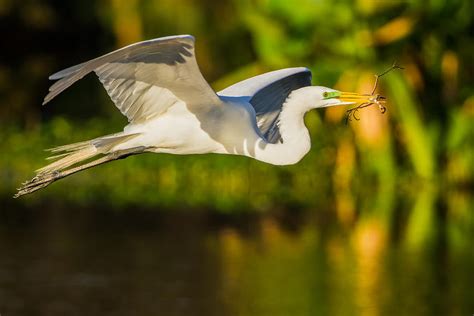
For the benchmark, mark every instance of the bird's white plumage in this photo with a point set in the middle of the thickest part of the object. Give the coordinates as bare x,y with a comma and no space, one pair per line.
145,78
171,108
249,87
267,94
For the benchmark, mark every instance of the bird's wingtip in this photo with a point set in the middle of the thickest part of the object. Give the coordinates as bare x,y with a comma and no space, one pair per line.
188,37
305,69
46,99
54,76
180,38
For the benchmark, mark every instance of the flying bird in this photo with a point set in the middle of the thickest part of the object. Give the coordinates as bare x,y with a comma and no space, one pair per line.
172,109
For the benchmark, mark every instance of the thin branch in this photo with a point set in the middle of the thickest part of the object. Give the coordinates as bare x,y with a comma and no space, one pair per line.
377,99
394,66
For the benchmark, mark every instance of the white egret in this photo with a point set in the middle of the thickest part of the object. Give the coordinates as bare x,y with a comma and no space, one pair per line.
171,108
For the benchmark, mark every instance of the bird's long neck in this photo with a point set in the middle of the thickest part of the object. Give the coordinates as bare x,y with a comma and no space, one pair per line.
296,141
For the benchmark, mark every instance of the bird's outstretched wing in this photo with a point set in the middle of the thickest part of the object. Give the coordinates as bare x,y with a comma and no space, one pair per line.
267,93
146,78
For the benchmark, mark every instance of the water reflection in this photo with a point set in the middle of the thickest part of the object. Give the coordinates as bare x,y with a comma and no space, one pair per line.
94,262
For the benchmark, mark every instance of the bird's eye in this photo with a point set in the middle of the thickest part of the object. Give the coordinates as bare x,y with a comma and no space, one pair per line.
331,94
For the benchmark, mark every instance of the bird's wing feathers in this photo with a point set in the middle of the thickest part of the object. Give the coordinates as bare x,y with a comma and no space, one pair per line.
145,78
267,94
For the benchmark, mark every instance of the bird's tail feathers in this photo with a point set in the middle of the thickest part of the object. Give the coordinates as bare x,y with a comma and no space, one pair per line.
72,158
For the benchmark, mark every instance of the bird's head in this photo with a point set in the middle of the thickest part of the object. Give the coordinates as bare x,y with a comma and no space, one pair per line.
314,97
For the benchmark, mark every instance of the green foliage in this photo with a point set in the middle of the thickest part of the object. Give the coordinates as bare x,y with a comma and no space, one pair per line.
425,135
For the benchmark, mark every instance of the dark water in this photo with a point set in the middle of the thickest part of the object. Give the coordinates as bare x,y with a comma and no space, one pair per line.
60,261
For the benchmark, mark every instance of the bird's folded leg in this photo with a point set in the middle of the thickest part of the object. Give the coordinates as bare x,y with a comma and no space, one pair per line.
42,180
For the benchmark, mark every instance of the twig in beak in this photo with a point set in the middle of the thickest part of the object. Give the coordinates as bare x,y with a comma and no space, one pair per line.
376,99
394,66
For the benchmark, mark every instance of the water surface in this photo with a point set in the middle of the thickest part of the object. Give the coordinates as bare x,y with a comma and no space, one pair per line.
80,261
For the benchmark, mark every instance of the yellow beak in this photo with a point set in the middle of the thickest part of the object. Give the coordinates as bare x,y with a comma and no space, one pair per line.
356,98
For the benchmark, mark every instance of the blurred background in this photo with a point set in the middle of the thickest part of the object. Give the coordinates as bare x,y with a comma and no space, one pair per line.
376,220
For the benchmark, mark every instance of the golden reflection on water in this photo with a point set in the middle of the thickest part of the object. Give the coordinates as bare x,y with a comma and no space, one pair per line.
231,256
339,269
369,241
342,179
389,261
264,272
